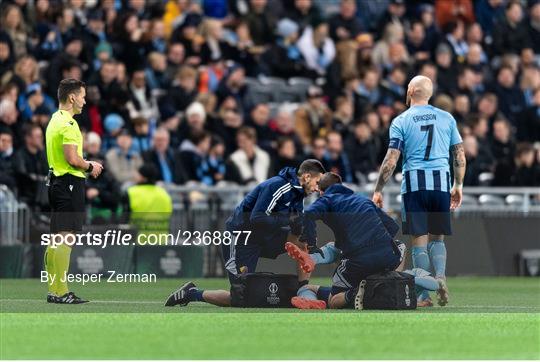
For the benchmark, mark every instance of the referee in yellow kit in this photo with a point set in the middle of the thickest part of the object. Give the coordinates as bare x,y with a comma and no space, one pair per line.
67,173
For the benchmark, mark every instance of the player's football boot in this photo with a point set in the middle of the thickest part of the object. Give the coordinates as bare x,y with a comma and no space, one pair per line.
302,257
180,296
303,303
424,303
442,293
70,298
51,298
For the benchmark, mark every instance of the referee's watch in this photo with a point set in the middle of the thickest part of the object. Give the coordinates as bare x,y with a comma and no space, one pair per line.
90,168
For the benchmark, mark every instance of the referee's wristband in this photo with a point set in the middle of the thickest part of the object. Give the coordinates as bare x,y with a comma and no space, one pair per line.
90,168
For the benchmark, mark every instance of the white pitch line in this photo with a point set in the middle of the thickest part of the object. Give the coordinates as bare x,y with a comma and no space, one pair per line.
200,303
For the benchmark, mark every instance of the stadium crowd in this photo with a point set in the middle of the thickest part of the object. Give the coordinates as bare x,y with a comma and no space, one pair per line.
234,90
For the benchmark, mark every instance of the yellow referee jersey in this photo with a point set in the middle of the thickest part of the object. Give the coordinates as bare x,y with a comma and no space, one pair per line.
63,130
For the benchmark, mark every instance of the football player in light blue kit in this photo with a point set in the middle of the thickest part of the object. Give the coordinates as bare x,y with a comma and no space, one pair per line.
425,135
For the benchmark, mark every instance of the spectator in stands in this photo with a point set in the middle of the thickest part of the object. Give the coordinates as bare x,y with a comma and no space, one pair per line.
335,159
7,59
184,88
228,122
487,106
318,148
283,125
249,163
446,70
448,11
467,84
533,26
260,22
521,171
128,44
141,134
215,165
194,157
480,129
394,14
286,155
303,12
313,117
393,34
502,145
34,99
165,159
368,93
529,82
7,176
26,72
234,85
113,125
455,39
214,47
103,192
345,25
12,24
511,101
258,119
95,33
510,33
417,44
487,12
9,116
154,38
110,92
343,116
474,169
175,58
142,103
283,58
195,121
317,47
31,168
462,107
187,34
528,128
122,161
393,86
362,150
155,72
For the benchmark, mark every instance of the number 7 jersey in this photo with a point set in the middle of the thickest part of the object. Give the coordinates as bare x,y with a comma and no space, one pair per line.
424,135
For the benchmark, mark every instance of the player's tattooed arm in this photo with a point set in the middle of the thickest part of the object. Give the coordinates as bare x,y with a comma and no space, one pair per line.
459,163
387,169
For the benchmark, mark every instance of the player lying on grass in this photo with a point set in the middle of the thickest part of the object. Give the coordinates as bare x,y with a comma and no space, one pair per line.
364,234
270,212
317,297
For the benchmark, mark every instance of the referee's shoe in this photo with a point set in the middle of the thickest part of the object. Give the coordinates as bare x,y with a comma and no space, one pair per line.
69,298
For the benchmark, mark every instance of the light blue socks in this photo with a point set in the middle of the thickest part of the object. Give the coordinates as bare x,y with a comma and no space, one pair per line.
437,253
420,259
306,293
330,254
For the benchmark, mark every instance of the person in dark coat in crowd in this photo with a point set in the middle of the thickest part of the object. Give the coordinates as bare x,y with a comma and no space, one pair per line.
166,160
31,168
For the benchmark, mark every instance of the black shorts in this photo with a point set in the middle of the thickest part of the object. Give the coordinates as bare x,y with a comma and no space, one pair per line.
373,259
426,212
67,196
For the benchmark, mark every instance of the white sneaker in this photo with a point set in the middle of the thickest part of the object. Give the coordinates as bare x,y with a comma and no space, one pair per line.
443,296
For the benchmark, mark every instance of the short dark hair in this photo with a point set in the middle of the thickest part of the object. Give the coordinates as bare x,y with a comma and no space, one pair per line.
311,166
329,179
68,86
29,128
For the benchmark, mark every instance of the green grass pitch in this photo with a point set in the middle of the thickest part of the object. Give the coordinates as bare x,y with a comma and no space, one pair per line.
488,318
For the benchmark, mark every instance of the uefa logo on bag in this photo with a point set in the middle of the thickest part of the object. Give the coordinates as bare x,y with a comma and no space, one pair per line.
273,298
